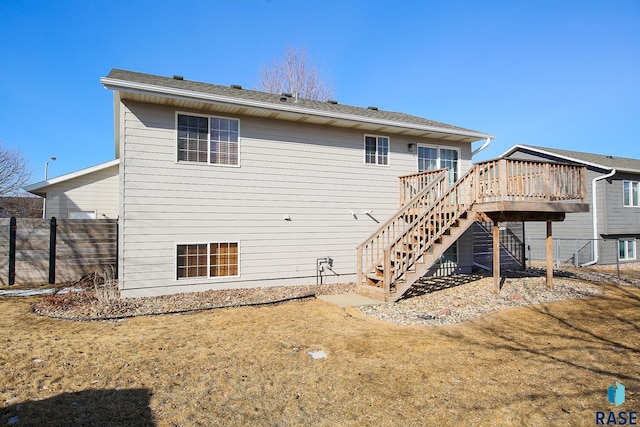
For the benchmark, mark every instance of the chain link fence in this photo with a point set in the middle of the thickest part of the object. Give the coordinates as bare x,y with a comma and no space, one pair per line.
574,252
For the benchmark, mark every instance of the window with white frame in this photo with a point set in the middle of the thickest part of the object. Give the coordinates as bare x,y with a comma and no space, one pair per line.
376,150
82,214
207,260
627,248
631,193
204,139
433,157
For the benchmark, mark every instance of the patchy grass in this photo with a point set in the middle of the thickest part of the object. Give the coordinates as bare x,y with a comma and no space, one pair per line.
540,365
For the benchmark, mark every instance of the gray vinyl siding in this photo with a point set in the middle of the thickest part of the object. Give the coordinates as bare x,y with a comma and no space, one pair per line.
620,220
97,191
314,174
614,220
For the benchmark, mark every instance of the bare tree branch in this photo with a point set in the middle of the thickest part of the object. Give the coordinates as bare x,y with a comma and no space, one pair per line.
295,74
13,171
27,206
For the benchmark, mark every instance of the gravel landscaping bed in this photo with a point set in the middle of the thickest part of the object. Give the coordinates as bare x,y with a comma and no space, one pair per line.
434,301
89,305
437,302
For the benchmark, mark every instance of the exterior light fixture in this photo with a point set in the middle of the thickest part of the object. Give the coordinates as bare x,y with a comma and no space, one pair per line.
46,167
46,176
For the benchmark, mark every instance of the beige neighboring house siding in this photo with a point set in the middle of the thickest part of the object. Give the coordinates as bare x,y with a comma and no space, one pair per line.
93,192
316,175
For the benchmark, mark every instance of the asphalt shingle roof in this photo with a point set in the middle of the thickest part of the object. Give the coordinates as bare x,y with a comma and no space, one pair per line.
252,95
600,159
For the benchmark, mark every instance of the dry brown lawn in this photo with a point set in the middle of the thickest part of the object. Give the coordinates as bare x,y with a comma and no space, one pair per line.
539,365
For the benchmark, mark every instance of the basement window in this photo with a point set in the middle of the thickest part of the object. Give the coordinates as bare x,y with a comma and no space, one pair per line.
205,139
631,193
207,260
376,150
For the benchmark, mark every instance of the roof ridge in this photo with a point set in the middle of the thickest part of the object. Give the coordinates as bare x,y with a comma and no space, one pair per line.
277,100
602,160
609,156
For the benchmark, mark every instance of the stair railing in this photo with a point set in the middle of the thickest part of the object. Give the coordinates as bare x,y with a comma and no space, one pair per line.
412,184
369,253
402,252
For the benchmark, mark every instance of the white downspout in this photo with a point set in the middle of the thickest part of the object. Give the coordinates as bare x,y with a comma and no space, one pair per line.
482,147
594,207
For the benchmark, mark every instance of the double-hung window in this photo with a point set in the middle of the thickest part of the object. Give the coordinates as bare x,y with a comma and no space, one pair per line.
627,249
631,193
207,260
376,150
212,140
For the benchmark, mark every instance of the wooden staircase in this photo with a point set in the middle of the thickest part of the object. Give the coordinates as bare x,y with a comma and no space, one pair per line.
434,216
421,231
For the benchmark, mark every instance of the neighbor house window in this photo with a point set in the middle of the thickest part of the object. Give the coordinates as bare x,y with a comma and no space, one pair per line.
376,150
627,249
631,193
207,260
213,140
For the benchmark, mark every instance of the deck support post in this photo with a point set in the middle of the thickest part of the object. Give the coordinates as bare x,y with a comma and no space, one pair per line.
549,255
496,258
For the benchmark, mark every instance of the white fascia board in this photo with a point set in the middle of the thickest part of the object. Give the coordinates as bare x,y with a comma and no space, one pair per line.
42,184
147,89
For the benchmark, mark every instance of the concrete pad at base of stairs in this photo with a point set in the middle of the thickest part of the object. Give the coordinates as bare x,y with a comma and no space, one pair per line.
350,300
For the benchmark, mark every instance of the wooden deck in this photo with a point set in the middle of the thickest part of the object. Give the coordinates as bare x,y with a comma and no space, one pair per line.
433,215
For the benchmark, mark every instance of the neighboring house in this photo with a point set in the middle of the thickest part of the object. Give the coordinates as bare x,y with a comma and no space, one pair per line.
613,190
88,193
222,187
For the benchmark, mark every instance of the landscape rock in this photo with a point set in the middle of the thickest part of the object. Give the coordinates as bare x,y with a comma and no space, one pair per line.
477,294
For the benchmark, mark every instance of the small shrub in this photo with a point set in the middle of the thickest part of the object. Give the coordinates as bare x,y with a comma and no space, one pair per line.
106,287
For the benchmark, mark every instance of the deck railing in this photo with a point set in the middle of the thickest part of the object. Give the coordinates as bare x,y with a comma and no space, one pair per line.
489,181
517,180
412,184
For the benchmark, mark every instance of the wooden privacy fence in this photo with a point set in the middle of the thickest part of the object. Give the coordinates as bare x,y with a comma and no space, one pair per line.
37,251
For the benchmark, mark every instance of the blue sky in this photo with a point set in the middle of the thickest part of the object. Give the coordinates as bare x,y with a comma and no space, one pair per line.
564,74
